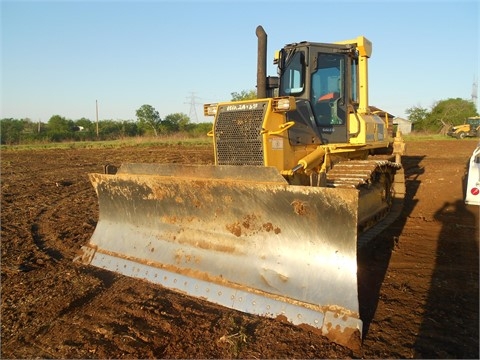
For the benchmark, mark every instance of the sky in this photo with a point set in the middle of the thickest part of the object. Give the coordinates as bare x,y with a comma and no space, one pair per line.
70,58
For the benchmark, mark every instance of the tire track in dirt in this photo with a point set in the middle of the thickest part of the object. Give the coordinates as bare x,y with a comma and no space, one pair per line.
56,234
67,220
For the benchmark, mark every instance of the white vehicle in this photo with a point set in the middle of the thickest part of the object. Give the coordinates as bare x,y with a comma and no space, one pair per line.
472,193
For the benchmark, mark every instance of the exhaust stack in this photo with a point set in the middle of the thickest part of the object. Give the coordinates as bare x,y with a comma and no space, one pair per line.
261,63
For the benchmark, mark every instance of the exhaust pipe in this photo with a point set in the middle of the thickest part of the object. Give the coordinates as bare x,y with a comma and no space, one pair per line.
261,63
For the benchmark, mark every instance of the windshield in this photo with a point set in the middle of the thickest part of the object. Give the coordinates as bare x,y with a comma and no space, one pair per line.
475,121
326,79
328,88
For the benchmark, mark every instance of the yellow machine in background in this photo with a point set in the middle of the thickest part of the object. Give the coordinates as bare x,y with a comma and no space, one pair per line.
471,128
304,175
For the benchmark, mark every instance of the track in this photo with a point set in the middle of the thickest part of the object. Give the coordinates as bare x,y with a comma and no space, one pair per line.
360,173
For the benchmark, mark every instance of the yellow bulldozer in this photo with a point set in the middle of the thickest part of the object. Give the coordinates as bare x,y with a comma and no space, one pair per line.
304,176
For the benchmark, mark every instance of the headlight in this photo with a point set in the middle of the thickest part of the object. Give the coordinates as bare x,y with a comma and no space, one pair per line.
286,103
210,109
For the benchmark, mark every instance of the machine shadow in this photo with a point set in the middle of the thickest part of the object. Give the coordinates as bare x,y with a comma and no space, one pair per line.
373,259
450,325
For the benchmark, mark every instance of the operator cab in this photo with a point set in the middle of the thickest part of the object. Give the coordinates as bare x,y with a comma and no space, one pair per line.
323,79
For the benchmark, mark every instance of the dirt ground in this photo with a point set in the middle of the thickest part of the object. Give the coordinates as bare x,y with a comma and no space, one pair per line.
418,282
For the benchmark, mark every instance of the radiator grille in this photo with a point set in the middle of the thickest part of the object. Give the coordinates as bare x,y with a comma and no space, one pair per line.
237,134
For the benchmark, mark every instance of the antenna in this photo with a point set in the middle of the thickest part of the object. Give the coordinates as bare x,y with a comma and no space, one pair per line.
193,110
475,91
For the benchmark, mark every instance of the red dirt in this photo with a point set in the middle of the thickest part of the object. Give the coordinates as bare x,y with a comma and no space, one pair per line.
418,280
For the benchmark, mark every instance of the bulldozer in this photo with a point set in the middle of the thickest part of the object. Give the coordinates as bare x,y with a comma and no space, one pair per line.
305,175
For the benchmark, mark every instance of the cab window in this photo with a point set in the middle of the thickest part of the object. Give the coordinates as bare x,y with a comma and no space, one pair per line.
292,80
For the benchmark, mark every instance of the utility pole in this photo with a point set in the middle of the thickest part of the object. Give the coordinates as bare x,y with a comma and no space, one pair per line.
96,112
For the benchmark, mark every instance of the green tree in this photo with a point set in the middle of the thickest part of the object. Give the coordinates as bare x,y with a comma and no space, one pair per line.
130,128
416,114
59,128
148,118
59,123
109,129
10,131
244,95
175,122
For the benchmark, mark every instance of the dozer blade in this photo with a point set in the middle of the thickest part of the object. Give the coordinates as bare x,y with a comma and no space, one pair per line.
241,237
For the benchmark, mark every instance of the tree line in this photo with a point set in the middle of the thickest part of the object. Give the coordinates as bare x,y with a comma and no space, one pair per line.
437,119
59,128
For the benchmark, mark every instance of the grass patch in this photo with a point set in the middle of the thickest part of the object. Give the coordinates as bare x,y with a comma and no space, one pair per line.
111,144
171,140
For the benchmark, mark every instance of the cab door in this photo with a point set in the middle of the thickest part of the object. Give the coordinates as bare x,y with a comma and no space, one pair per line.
329,94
